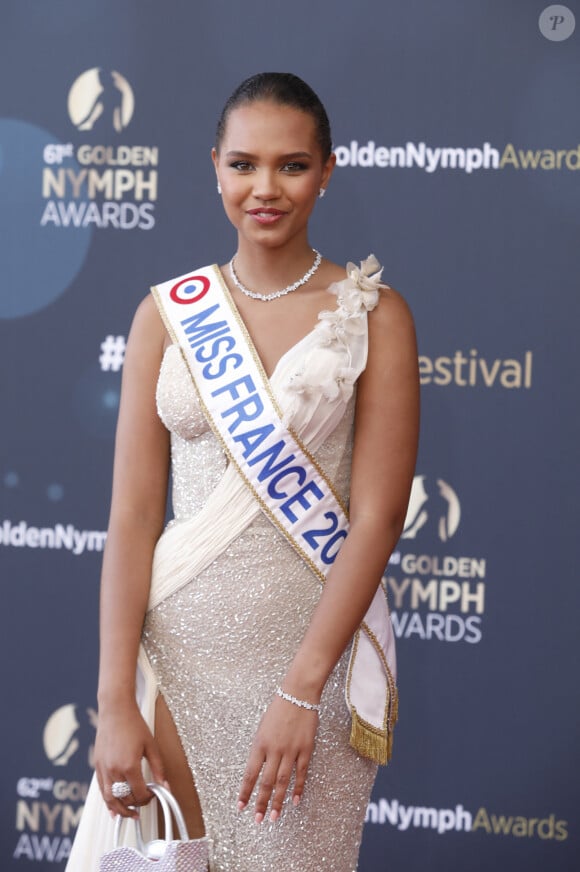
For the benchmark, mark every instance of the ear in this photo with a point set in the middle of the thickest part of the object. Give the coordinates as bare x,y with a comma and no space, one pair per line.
327,170
214,157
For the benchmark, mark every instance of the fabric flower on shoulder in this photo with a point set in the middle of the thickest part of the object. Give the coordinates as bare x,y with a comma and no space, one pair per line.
336,326
360,289
367,279
339,338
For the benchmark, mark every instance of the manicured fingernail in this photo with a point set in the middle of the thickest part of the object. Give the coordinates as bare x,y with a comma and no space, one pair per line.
112,813
241,805
274,815
296,800
259,817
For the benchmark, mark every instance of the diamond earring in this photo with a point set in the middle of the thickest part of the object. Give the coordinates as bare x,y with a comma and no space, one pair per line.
219,188
321,193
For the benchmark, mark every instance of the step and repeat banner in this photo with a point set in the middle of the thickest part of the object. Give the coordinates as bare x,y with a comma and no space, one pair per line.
457,133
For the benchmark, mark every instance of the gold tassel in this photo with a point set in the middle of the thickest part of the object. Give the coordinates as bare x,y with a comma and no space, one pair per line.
394,717
395,707
370,742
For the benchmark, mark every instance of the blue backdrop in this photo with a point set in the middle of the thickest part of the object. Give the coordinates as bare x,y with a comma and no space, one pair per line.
457,132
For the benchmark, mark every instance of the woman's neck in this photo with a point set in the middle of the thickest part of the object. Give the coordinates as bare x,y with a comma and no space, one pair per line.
265,269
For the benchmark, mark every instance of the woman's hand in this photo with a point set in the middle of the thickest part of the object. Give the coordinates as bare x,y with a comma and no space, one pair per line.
123,739
283,743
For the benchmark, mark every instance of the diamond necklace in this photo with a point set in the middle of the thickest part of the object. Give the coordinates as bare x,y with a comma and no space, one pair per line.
287,290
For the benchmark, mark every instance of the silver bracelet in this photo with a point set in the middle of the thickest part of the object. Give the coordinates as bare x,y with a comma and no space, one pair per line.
299,702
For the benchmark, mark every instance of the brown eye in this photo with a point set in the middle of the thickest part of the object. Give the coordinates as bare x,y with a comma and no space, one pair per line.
294,167
241,165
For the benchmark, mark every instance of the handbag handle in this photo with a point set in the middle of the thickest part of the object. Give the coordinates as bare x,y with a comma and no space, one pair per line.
169,805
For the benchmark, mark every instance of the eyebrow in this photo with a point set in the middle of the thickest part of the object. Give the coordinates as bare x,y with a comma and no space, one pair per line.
292,156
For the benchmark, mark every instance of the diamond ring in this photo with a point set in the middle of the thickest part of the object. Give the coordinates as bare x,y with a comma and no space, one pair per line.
121,789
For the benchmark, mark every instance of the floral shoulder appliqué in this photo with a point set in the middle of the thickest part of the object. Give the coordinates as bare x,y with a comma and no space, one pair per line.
332,366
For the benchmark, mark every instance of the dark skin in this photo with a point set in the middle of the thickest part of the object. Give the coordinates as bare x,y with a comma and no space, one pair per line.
269,164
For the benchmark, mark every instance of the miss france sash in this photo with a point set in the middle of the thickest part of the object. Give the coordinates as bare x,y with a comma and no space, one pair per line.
290,487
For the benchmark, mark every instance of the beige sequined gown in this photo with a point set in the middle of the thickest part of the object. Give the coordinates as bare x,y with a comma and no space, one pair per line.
230,603
222,644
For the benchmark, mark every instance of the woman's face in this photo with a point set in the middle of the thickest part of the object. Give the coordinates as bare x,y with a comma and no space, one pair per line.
270,169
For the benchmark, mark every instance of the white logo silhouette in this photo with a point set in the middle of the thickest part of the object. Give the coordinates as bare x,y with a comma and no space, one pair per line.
420,502
101,99
64,733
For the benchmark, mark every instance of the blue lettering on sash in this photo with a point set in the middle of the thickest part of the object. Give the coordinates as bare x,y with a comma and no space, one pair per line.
202,355
216,370
312,537
298,471
214,343
209,339
198,333
251,439
300,498
232,387
271,454
246,410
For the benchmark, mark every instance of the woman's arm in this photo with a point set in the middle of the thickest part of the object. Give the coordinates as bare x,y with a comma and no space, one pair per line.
137,516
384,454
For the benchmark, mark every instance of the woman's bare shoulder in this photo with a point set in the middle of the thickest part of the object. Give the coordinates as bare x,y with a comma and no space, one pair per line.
147,326
147,315
392,313
334,272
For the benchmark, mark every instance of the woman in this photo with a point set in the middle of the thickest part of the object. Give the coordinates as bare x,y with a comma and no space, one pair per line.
245,656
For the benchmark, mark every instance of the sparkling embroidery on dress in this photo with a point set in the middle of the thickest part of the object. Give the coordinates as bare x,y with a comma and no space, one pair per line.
196,457
222,643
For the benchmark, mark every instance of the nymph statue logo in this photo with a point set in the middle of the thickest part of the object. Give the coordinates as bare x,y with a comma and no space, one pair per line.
69,729
427,506
100,100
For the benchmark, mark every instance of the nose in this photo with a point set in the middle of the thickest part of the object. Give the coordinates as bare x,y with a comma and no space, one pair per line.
266,185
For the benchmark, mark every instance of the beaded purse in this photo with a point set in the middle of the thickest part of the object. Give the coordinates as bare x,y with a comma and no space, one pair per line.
162,855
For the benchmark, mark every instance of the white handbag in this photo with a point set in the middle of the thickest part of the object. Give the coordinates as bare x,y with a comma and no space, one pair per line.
162,855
